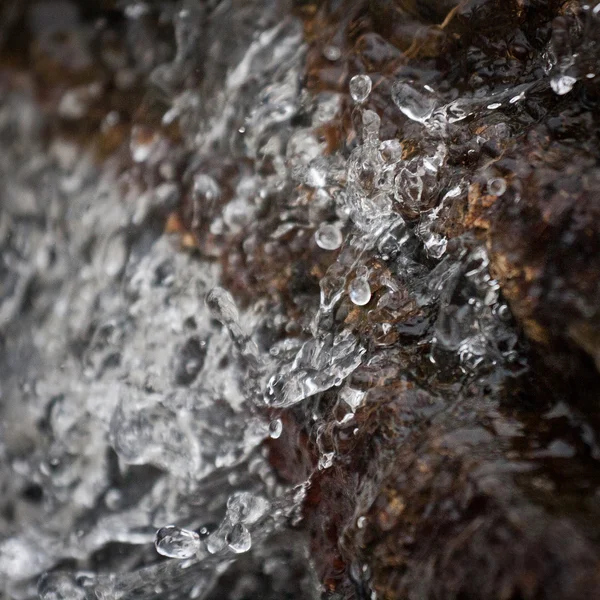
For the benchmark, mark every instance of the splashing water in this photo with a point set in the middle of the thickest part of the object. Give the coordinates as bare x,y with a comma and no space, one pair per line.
175,542
168,383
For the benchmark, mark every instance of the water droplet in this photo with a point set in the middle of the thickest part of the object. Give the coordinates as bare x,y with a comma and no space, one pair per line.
136,10
562,84
332,53
143,142
59,586
113,255
222,307
328,237
360,88
361,522
390,150
176,542
359,291
371,124
206,188
239,539
517,98
244,507
414,104
494,105
275,429
326,460
503,312
496,186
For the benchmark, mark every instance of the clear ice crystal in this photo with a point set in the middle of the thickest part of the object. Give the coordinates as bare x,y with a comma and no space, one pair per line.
360,88
176,542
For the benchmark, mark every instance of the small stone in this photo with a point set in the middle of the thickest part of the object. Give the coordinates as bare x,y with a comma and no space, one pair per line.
176,542
360,88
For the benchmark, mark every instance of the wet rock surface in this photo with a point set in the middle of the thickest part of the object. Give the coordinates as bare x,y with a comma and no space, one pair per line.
299,299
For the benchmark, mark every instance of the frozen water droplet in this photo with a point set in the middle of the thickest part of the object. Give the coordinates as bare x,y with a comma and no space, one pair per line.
371,124
414,104
562,84
496,186
222,307
244,507
390,150
326,460
332,53
360,88
275,429
359,291
328,237
239,539
176,542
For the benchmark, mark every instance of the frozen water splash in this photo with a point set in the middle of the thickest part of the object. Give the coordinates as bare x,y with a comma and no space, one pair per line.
156,388
319,365
175,542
